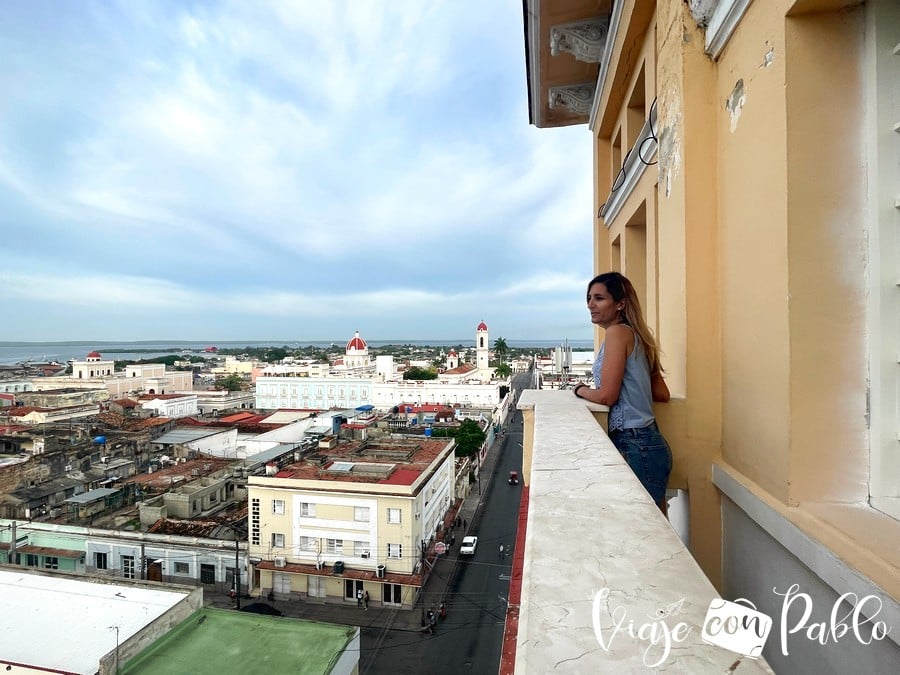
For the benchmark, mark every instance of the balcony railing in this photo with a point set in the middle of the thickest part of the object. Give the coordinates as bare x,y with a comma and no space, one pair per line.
601,581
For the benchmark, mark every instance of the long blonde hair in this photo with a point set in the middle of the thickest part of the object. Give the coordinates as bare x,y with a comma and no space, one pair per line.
620,288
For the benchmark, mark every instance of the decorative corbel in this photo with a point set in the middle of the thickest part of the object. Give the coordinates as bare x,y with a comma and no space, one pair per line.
584,40
577,98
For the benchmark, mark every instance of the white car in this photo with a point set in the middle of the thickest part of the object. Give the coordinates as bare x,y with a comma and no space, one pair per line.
468,546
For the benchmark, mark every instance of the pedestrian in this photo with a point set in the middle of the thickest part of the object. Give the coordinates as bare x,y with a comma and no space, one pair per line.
359,597
628,378
366,599
501,550
452,539
465,524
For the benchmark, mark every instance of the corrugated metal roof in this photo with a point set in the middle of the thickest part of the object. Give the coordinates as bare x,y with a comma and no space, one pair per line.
183,435
92,496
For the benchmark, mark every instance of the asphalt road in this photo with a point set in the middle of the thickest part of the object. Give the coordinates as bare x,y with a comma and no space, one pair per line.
469,639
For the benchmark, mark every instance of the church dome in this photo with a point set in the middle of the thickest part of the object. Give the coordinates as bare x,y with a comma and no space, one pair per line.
94,355
357,344
482,326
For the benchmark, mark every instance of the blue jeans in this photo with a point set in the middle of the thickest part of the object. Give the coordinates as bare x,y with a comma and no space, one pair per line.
648,455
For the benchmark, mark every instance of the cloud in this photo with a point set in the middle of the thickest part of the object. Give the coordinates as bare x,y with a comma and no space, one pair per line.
284,160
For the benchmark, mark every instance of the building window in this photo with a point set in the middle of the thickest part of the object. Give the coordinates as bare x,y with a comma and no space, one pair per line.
361,514
308,509
128,566
361,549
207,574
334,545
254,522
277,540
100,562
393,516
307,543
395,551
51,562
182,568
32,560
278,507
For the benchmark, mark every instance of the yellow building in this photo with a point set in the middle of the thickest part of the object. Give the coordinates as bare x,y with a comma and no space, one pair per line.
352,517
747,172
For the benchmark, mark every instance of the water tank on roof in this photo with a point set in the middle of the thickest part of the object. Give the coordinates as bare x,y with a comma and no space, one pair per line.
428,432
100,440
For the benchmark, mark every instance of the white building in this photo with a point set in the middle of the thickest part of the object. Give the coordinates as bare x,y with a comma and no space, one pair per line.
170,405
94,365
95,371
66,623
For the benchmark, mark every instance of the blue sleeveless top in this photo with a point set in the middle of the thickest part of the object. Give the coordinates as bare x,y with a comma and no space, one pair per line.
634,409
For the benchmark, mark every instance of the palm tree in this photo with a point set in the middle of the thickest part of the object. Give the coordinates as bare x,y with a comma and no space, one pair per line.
501,349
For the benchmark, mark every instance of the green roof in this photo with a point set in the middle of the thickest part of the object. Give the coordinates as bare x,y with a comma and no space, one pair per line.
226,641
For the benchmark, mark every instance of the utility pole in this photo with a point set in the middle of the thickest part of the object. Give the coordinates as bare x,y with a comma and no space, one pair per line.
237,572
13,556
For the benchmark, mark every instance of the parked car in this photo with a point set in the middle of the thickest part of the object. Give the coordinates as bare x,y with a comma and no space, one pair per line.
468,546
513,478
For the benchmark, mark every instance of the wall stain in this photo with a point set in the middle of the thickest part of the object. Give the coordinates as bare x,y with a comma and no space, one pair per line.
735,102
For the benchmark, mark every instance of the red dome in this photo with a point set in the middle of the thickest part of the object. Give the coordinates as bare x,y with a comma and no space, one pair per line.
482,326
357,343
94,355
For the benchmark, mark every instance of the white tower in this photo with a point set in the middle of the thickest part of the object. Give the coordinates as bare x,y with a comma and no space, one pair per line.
452,359
482,347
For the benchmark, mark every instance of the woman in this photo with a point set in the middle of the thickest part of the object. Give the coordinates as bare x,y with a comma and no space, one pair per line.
628,378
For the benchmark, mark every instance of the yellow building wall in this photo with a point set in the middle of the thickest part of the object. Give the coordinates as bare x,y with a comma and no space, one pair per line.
755,246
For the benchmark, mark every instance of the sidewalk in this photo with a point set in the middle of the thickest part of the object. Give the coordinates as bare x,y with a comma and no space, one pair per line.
376,616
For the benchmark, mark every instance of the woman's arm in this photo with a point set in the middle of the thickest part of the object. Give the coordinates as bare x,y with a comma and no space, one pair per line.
619,339
659,388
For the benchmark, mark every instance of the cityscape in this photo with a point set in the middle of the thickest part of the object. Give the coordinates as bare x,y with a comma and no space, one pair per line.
325,479
539,336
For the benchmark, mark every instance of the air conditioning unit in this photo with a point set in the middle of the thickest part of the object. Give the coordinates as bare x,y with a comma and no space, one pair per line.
365,554
320,564
379,571
280,561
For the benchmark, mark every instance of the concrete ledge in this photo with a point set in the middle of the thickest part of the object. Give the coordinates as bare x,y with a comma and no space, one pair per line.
606,582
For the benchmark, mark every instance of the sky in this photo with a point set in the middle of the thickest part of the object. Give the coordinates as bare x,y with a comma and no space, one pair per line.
283,170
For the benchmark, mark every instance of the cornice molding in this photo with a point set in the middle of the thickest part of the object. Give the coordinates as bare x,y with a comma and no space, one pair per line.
533,37
722,24
614,20
576,98
585,40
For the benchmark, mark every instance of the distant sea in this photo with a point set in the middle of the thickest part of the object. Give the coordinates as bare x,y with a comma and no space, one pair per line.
18,352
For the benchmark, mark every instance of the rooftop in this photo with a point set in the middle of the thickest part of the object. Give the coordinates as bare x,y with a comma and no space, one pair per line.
392,462
223,641
83,617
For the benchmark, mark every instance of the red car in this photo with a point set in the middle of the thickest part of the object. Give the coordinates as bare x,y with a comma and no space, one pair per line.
513,478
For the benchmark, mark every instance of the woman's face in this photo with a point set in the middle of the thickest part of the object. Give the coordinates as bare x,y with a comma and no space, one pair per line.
604,310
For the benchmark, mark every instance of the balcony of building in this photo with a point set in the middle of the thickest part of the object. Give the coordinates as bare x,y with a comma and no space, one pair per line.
602,582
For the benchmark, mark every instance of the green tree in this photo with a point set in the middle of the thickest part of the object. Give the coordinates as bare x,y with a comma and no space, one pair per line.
501,349
469,438
503,370
233,382
417,373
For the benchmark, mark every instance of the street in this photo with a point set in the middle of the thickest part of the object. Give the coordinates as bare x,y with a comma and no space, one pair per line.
469,638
